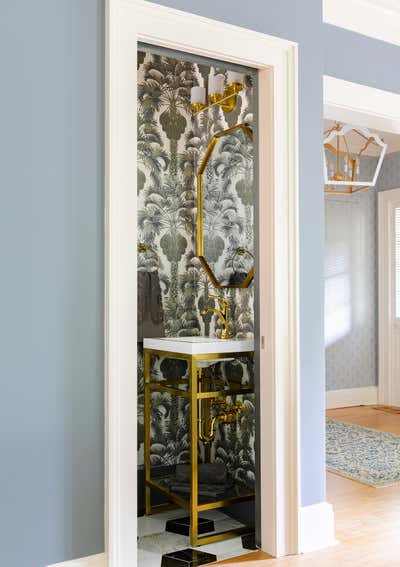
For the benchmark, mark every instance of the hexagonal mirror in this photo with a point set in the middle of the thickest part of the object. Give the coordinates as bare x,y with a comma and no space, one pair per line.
225,208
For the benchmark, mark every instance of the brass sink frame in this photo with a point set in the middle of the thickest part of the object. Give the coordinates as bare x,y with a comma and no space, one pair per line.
196,394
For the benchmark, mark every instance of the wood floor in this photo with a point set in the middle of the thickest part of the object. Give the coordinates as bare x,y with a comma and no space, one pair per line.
367,519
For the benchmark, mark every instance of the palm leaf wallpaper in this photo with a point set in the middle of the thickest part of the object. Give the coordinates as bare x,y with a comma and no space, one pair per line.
171,144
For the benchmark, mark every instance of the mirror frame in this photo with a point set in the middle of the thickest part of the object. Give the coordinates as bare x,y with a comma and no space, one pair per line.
200,238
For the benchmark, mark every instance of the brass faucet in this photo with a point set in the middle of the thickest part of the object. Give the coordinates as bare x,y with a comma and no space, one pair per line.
222,314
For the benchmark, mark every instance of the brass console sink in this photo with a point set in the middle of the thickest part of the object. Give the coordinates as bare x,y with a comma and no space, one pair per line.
199,345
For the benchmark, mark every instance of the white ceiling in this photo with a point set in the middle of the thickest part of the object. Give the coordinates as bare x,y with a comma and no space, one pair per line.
392,140
389,5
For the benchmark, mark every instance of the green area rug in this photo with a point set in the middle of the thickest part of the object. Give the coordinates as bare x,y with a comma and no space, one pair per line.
365,455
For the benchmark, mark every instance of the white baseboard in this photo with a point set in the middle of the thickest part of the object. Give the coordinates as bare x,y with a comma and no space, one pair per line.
316,527
352,397
98,560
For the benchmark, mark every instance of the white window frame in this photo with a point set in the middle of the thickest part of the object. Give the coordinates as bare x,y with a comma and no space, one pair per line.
130,22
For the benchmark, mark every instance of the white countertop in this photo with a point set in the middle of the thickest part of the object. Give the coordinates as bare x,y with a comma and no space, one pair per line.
199,345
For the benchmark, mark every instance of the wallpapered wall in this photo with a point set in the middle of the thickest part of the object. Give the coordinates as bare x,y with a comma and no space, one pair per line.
351,288
171,144
389,178
351,324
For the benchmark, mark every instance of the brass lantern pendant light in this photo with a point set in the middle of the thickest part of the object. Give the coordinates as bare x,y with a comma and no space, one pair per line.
344,147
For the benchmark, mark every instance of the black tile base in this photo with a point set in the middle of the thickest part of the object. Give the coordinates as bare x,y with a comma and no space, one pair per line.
249,541
187,558
182,526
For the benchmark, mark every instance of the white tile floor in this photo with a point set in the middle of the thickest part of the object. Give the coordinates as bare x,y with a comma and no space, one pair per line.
151,550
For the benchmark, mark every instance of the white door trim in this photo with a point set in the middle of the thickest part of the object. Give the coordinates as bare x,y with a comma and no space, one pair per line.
389,328
91,561
128,22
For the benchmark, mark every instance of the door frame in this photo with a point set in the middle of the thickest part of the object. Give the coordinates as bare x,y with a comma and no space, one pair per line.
127,23
377,109
388,353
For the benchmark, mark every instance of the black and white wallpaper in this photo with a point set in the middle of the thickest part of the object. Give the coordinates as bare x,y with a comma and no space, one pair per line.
171,143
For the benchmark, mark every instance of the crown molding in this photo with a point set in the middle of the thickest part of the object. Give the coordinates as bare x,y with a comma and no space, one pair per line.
379,19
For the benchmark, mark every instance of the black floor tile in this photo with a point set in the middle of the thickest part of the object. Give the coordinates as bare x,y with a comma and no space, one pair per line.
182,526
187,558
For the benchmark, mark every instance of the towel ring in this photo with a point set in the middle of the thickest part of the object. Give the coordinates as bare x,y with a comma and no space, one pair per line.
240,252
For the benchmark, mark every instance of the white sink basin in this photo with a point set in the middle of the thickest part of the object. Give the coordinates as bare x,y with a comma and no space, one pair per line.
199,345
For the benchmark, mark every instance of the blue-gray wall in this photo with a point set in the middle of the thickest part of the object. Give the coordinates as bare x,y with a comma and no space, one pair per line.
51,403
389,177
302,22
51,241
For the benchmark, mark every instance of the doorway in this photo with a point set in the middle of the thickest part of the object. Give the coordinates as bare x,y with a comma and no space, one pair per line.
196,259
360,309
130,22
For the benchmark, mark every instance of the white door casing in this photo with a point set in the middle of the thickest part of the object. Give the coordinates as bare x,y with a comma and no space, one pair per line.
389,308
130,22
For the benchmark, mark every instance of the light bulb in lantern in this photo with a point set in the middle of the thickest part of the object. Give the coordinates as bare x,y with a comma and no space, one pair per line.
345,165
331,170
357,168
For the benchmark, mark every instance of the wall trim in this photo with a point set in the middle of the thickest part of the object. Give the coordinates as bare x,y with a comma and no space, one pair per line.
358,104
98,560
127,23
372,18
317,527
348,397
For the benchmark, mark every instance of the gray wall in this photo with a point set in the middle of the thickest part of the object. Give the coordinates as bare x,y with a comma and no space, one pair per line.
351,254
351,326
51,239
51,402
389,177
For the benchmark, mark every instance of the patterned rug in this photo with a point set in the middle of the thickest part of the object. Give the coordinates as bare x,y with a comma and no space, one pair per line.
365,455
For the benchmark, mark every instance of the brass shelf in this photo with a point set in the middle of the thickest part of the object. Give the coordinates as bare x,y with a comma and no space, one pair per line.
204,502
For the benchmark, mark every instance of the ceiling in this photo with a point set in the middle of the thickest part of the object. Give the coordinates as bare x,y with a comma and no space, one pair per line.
389,5
392,140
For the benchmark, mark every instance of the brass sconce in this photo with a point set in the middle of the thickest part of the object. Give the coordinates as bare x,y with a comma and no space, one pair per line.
218,93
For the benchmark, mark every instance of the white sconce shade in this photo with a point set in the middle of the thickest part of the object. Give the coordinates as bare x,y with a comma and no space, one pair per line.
216,84
198,95
234,77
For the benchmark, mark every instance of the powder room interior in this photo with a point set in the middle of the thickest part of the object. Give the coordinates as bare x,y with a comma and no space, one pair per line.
197,186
